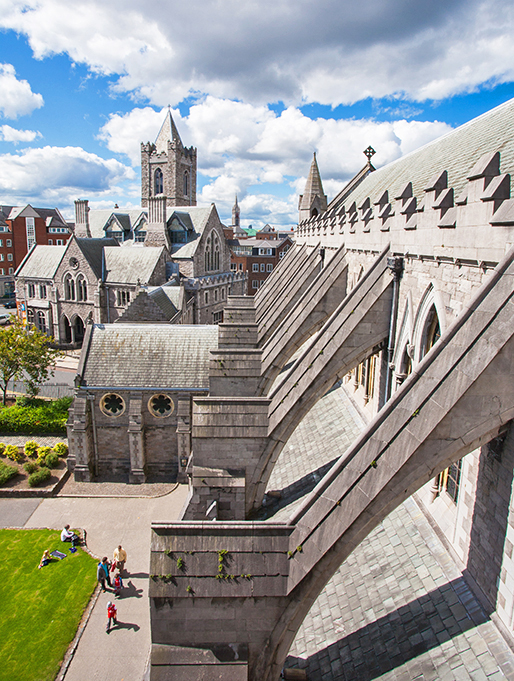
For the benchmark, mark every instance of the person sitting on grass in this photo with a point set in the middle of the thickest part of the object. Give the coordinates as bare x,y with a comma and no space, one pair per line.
68,535
45,559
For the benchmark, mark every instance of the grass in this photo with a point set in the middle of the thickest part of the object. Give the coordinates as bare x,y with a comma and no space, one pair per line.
41,609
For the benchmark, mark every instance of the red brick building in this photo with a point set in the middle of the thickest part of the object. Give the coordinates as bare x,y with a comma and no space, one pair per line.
20,228
258,258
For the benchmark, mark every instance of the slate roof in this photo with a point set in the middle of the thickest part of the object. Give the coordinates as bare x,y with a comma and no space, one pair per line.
457,152
167,133
4,214
127,265
199,217
99,218
42,262
158,356
168,298
92,250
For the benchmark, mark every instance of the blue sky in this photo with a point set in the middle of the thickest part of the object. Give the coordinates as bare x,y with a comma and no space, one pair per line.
256,87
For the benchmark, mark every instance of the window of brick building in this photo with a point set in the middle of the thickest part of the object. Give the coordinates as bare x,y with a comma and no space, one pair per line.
255,267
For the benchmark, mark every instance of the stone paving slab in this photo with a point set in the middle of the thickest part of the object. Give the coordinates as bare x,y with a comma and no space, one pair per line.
398,608
15,513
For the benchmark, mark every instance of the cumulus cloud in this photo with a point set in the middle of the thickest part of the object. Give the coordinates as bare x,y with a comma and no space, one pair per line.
8,134
55,175
248,150
328,51
17,97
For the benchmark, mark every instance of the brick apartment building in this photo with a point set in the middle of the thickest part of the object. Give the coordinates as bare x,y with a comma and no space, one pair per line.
21,227
257,257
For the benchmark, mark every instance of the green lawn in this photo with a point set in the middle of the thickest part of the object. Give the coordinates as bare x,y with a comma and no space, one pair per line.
40,610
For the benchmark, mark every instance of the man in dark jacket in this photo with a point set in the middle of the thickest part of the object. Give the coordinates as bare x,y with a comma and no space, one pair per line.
102,573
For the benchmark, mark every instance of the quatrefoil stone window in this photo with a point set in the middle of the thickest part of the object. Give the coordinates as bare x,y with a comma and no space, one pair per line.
112,404
160,405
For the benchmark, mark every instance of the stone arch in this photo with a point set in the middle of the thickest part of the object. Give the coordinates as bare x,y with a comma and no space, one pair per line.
158,182
66,329
77,329
69,286
430,311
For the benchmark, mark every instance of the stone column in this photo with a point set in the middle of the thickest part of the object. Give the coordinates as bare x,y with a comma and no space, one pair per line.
136,439
81,441
183,436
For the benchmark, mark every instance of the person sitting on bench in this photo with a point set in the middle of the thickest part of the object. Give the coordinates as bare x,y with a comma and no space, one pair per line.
68,535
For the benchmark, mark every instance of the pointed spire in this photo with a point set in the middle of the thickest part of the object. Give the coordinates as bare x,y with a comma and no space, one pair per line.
236,212
167,133
313,197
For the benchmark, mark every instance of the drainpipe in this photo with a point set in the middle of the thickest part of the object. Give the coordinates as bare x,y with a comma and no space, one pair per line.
395,264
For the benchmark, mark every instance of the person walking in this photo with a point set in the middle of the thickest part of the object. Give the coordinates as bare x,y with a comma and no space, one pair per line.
112,616
120,558
102,573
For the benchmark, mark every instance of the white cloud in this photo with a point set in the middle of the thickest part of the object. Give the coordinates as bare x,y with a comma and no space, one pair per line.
8,134
328,51
58,175
17,98
248,150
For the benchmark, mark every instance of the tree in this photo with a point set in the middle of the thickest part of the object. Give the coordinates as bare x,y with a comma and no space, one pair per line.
25,352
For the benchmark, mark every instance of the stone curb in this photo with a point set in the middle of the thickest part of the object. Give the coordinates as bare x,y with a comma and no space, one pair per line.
119,496
36,493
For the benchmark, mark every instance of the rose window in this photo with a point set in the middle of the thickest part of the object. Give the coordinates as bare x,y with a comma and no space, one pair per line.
160,405
112,405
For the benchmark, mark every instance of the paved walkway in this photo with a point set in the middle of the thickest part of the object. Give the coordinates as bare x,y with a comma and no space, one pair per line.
121,655
398,608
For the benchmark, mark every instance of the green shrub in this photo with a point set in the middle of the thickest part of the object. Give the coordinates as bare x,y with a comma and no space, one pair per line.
2,449
31,467
27,401
36,416
39,477
61,449
42,453
12,452
31,447
7,472
51,460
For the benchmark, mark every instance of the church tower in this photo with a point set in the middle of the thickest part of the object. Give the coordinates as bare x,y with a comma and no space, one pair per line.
313,201
236,215
168,168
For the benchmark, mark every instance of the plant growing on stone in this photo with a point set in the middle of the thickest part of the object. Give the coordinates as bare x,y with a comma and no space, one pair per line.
180,563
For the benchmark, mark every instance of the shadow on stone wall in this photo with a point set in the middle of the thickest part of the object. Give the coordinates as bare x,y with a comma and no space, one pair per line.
391,641
491,514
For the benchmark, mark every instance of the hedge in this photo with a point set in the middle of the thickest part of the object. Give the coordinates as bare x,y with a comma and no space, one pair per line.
32,416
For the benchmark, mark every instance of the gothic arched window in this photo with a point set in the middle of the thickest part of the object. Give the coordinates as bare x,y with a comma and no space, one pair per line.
41,321
432,331
81,289
186,183
212,253
159,182
69,287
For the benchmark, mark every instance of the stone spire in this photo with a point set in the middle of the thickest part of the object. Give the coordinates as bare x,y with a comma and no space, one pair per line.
167,133
236,214
313,201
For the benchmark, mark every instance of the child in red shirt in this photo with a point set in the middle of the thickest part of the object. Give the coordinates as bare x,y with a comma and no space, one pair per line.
111,616
118,584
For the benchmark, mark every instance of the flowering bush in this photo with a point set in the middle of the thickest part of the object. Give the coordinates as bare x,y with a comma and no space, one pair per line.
31,447
12,452
61,449
42,453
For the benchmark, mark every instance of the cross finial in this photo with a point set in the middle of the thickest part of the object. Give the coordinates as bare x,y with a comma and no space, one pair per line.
369,152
